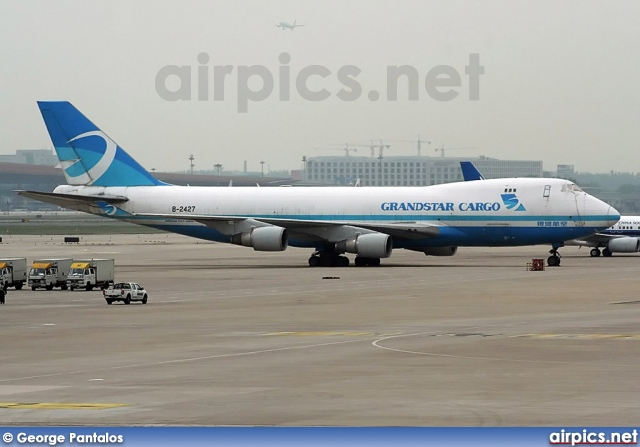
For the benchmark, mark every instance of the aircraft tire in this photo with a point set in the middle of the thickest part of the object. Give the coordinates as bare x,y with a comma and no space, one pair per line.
553,261
327,261
595,252
607,253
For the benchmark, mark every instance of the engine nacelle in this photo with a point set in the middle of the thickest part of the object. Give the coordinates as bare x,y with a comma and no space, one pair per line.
263,238
371,245
440,251
624,245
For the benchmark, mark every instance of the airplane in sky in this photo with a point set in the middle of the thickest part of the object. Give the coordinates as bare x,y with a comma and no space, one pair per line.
623,237
369,222
285,25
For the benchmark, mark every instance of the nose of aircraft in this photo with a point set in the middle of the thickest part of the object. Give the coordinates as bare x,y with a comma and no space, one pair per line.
603,213
614,215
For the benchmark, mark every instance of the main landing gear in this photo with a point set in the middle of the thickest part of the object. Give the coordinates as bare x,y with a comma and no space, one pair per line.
333,259
328,259
595,252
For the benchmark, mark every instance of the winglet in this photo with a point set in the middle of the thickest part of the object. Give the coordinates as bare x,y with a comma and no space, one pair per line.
87,155
470,172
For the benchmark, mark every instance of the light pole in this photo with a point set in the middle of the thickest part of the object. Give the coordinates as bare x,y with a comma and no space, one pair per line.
191,158
262,168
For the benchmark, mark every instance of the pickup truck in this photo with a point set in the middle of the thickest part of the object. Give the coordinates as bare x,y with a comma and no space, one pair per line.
126,292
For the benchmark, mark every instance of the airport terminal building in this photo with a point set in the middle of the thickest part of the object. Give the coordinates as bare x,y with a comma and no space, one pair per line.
409,170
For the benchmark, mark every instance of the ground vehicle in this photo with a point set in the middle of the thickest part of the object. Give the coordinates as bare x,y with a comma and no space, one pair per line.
126,292
90,273
49,273
13,272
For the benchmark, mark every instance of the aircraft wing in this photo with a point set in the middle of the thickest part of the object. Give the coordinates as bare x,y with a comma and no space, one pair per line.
403,230
594,240
407,230
69,200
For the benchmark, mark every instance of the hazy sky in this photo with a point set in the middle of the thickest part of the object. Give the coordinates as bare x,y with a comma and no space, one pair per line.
561,80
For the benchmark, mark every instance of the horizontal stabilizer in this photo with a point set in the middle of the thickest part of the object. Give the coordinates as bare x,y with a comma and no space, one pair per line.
67,200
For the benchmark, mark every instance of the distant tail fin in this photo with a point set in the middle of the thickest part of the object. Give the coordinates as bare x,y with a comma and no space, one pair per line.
470,172
87,155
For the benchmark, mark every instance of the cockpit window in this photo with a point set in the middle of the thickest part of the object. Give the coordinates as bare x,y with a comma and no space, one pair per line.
571,187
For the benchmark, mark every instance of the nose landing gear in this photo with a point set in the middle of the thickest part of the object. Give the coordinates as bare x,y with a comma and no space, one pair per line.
554,259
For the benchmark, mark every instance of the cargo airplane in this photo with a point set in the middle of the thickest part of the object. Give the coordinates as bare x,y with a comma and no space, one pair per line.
623,237
369,222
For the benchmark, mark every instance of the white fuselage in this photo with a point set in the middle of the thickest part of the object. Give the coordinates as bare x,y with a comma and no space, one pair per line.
519,211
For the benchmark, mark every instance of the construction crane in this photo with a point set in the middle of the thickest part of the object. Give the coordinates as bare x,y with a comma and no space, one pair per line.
441,149
347,150
380,147
418,143
348,147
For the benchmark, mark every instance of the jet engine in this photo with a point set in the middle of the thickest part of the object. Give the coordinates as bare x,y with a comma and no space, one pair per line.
624,245
263,238
440,251
371,245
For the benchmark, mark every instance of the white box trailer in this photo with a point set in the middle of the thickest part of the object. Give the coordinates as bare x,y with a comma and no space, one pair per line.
49,273
13,272
89,273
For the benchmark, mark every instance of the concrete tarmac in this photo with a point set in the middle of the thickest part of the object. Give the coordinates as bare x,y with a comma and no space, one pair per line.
231,336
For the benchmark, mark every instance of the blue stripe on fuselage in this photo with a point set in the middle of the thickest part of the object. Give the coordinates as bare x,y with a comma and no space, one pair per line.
459,236
353,219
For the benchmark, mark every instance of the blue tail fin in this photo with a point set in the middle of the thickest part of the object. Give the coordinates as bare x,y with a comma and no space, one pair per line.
87,155
470,172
